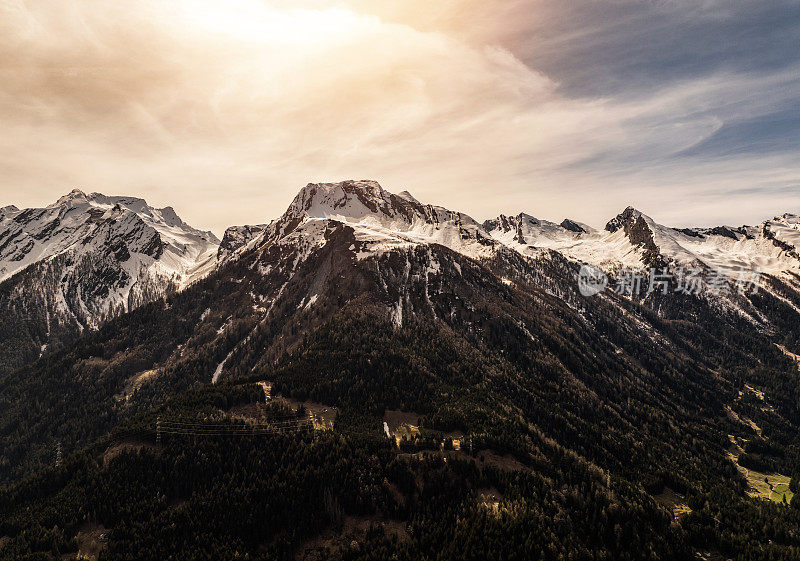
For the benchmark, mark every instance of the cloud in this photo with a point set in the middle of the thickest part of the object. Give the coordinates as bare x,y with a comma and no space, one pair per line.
225,109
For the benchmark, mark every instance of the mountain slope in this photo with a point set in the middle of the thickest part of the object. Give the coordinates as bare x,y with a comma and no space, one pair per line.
576,414
634,240
86,259
382,220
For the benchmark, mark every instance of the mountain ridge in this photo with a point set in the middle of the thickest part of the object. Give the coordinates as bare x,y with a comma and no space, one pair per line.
85,259
576,414
92,257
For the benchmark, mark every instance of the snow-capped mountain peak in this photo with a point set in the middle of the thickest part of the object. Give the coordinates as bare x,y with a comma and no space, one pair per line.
633,239
76,196
88,257
381,220
348,200
236,238
526,233
76,219
642,231
626,219
768,248
408,196
8,210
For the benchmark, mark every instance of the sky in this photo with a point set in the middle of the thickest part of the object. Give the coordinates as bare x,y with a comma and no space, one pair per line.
688,110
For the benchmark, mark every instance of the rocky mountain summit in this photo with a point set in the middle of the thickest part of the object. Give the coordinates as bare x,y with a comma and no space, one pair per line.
88,258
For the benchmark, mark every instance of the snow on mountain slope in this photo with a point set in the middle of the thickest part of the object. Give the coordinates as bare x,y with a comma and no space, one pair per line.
525,233
752,248
526,230
768,248
634,240
96,256
381,220
79,222
604,249
189,253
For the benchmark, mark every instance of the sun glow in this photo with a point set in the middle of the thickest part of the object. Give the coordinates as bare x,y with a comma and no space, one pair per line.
254,21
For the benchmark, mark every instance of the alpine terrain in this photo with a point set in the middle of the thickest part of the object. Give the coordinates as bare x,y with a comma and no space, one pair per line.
86,259
368,376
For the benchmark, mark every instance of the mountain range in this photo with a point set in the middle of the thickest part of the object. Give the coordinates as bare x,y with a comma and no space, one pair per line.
86,259
527,419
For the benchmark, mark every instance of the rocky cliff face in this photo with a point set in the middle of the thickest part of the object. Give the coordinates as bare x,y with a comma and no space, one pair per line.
237,237
87,258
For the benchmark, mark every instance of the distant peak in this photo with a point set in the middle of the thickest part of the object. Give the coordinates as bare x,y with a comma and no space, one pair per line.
363,186
624,219
572,226
360,185
788,217
507,223
408,197
170,217
136,204
76,195
528,218
352,198
236,237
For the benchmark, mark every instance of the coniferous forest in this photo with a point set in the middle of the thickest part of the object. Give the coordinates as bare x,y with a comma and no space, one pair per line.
532,438
444,280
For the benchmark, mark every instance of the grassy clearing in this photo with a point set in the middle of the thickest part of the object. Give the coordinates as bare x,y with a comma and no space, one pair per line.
408,432
91,541
736,418
135,382
323,416
673,501
396,419
117,449
770,486
773,486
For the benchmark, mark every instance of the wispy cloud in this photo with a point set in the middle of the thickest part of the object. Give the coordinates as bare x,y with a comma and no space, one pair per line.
225,109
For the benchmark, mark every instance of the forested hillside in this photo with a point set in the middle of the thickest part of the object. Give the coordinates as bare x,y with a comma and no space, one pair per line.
548,425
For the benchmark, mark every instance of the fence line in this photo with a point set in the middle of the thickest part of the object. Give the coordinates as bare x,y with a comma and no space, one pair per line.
216,428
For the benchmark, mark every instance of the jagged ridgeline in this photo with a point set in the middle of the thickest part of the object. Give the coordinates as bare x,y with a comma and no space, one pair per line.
370,377
85,259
